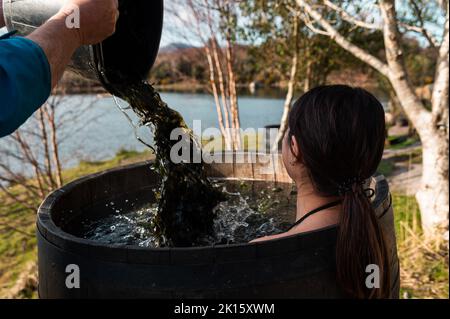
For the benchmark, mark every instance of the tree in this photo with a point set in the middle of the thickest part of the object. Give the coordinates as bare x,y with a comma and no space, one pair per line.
279,29
297,56
214,24
431,124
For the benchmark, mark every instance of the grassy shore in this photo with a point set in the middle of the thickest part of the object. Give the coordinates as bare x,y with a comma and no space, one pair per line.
424,263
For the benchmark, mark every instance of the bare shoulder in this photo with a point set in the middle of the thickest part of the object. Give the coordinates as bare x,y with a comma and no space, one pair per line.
278,236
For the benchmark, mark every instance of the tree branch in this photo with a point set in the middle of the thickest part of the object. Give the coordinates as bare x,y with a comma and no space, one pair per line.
398,76
306,19
16,229
15,198
347,17
291,87
421,30
343,42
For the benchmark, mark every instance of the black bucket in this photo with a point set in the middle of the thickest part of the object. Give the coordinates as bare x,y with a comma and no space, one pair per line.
127,56
300,266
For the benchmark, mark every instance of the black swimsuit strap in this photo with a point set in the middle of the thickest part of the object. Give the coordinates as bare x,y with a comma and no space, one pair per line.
321,208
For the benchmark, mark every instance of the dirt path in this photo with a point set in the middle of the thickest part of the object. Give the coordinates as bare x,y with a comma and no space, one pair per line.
405,178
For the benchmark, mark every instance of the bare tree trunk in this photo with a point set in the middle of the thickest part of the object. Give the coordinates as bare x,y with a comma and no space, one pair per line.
433,196
33,162
208,21
308,77
434,191
216,99
47,161
233,96
290,92
225,104
50,114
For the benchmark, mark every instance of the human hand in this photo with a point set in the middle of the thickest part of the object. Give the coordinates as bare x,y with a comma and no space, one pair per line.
97,19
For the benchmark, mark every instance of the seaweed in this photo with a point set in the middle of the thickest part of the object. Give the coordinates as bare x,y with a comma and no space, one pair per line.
186,198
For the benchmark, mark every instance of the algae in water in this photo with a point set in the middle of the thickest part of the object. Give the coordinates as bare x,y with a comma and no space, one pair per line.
186,198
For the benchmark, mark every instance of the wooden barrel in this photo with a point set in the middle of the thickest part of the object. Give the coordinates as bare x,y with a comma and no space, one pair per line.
300,266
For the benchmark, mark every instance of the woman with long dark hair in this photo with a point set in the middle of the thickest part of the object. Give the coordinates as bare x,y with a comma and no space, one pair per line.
335,142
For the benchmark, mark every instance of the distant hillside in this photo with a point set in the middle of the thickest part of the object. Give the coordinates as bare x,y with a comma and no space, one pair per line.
180,66
179,62
182,63
172,47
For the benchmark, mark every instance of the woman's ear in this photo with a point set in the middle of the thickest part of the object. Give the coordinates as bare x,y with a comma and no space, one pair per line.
294,147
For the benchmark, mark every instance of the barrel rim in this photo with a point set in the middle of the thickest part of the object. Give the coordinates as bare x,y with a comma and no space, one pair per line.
175,255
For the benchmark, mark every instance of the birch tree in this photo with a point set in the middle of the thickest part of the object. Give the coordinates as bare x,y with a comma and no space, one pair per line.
299,59
278,27
213,23
430,123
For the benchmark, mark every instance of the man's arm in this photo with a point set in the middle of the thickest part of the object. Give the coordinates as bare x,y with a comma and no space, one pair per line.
59,48
59,42
30,67
2,19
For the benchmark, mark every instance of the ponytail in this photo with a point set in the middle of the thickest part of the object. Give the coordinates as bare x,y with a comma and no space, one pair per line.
360,243
340,133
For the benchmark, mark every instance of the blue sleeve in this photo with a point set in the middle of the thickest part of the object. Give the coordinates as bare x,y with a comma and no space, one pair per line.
25,82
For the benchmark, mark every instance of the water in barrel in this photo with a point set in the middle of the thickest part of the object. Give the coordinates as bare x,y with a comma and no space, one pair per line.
185,196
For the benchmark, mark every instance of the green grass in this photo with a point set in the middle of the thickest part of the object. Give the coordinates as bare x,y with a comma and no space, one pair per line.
423,261
406,211
251,142
17,249
386,167
408,142
123,157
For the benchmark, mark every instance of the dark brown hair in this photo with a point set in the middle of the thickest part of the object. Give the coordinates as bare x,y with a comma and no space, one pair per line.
341,133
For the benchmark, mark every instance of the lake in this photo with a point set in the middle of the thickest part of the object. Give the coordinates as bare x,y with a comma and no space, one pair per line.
99,130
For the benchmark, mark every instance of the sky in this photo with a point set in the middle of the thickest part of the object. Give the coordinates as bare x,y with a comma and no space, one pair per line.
173,27
168,35
174,31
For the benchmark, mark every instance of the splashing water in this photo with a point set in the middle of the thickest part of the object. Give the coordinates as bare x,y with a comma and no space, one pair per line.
185,198
241,218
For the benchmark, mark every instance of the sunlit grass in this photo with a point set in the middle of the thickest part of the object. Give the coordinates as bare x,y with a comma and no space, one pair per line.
409,141
423,260
250,142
